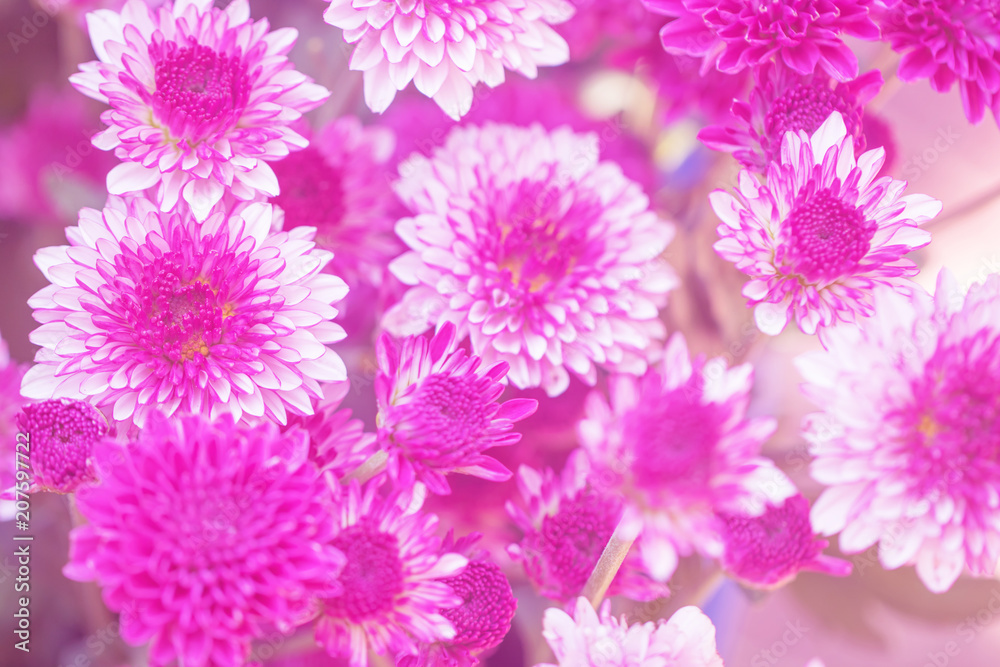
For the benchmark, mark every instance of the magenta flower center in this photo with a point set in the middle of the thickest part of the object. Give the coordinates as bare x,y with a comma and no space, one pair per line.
445,419
372,577
826,237
571,541
483,619
805,107
62,436
198,89
186,317
537,236
312,192
770,547
955,418
675,444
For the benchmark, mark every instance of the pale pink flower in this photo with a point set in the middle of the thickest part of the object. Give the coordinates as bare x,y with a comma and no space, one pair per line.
566,523
155,311
767,551
446,48
393,596
201,99
438,411
783,100
206,535
544,256
909,437
948,42
735,34
678,445
822,232
587,639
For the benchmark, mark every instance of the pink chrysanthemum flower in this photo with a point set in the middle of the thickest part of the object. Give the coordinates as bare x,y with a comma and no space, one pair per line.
62,435
338,185
909,440
151,311
337,442
678,445
208,534
822,233
545,257
446,48
438,412
767,551
784,101
484,617
686,640
201,98
735,34
566,524
392,595
949,41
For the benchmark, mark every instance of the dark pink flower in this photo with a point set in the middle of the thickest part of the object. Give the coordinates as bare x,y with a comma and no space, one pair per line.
207,535
767,551
392,597
438,411
566,524
62,435
782,100
948,42
484,617
735,34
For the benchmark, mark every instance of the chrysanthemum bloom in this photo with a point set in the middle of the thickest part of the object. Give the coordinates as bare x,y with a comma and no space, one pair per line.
784,101
62,435
767,551
484,617
207,536
153,311
339,185
337,442
392,596
735,34
201,98
948,41
909,440
446,48
438,412
545,257
822,233
686,640
678,445
566,524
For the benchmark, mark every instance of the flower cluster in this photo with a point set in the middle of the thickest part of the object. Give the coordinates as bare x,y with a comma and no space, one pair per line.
285,365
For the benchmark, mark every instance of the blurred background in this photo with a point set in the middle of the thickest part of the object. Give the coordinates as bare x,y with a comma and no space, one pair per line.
647,108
